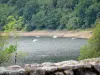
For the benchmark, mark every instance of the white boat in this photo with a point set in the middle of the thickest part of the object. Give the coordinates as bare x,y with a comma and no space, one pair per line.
37,36
35,40
55,36
73,38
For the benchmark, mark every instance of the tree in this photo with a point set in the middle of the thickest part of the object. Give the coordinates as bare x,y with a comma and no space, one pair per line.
4,12
81,10
12,26
91,14
5,51
38,20
11,2
4,1
30,9
92,49
73,23
86,11
21,3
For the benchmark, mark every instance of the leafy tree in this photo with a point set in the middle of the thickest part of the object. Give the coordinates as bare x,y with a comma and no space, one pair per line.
4,1
30,9
81,9
64,3
4,13
19,24
13,24
91,14
92,49
38,20
5,52
73,23
21,3
11,2
56,14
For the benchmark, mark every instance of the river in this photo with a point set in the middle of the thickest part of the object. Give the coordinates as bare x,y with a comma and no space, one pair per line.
47,49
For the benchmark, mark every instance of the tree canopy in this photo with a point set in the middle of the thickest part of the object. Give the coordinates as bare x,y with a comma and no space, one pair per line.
51,14
92,49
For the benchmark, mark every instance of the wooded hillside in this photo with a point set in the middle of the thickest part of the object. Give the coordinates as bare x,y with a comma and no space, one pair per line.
50,14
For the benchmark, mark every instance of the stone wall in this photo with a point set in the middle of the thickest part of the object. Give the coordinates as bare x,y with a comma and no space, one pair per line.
83,67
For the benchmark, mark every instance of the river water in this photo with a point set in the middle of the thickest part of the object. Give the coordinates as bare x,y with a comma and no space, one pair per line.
47,49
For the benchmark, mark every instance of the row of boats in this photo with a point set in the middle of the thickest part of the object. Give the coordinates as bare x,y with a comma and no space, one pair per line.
53,36
35,40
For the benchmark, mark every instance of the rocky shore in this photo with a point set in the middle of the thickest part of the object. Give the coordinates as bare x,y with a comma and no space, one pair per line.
72,67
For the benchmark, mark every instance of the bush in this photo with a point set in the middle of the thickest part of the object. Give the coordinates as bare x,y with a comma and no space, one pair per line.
92,49
5,53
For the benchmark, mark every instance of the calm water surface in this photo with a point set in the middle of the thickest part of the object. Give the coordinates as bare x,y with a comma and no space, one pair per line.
47,49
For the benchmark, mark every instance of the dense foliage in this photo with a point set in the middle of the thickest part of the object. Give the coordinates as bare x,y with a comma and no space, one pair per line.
92,49
5,52
50,14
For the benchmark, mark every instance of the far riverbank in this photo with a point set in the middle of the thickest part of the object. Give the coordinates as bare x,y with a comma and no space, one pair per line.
74,33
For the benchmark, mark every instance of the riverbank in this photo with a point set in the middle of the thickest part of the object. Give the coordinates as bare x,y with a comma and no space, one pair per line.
75,33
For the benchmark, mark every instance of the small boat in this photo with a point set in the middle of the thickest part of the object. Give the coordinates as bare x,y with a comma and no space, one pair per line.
55,36
35,40
73,38
37,36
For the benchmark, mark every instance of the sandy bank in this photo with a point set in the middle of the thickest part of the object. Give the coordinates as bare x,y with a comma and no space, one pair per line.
74,33
77,34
